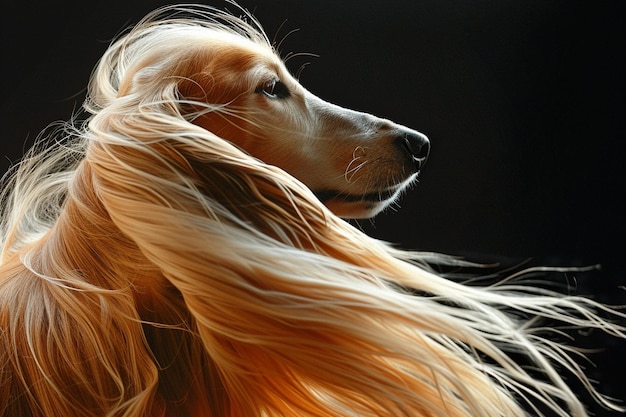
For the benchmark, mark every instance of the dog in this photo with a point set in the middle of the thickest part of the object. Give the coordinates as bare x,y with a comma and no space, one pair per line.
183,252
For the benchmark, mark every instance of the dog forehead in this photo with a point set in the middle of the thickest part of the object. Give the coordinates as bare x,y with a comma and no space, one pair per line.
226,49
220,39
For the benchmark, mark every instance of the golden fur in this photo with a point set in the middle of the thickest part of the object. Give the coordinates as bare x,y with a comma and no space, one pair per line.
170,257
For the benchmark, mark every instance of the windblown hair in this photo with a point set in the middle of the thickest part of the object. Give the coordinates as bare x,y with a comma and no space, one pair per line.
150,267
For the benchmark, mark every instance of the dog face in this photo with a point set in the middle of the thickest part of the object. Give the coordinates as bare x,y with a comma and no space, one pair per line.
356,163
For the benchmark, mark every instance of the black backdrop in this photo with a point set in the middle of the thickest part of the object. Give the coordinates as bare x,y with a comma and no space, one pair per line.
524,102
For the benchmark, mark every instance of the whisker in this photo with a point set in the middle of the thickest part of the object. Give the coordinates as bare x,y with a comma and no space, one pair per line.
280,44
351,172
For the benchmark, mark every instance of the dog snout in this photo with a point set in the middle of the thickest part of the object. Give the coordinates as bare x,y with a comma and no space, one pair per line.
416,145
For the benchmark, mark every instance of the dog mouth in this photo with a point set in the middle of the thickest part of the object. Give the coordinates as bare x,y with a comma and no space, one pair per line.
371,198
328,195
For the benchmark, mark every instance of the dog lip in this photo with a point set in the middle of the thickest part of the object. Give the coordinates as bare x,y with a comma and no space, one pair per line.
327,195
376,196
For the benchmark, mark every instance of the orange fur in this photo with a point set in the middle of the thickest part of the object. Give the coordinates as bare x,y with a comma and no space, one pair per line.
171,256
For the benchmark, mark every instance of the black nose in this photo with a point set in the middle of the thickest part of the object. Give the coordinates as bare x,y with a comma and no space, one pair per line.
416,144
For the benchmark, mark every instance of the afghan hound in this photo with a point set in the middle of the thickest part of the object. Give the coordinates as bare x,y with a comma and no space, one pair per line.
182,251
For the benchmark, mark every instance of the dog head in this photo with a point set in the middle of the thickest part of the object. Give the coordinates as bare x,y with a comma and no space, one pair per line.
238,88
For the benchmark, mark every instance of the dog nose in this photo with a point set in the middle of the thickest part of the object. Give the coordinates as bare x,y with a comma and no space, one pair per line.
417,145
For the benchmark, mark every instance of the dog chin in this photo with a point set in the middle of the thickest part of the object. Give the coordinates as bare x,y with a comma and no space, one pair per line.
362,210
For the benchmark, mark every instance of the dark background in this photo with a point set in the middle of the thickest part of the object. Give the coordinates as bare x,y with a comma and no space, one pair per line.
524,102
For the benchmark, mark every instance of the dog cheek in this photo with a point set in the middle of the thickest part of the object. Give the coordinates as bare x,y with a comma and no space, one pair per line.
238,135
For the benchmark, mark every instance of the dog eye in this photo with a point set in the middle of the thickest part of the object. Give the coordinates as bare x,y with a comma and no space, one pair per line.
274,89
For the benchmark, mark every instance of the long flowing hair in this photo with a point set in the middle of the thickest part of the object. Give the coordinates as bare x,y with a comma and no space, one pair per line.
151,268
